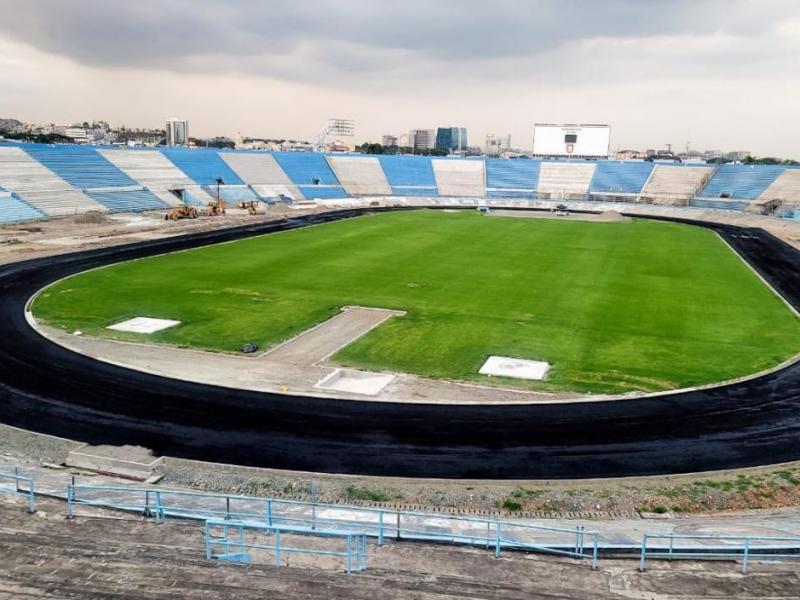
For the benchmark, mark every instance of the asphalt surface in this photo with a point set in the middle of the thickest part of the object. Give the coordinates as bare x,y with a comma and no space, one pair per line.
46,388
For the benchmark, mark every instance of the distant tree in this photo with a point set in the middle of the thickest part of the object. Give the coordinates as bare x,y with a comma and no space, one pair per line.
370,148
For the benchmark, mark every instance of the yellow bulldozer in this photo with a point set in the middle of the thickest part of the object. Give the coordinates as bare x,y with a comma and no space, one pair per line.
182,212
250,205
216,209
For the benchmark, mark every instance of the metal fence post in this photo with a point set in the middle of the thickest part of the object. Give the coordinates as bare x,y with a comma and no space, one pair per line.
380,528
497,540
596,544
31,497
227,507
644,553
16,479
147,503
746,555
269,513
159,508
671,545
349,554
208,541
70,499
397,531
277,547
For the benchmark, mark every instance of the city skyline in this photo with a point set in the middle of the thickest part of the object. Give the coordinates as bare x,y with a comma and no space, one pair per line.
715,74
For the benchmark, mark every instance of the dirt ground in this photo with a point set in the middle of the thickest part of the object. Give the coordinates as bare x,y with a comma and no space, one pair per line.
101,554
608,216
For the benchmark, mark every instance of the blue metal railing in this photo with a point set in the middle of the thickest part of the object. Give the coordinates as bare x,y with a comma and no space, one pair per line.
377,523
235,547
14,487
718,546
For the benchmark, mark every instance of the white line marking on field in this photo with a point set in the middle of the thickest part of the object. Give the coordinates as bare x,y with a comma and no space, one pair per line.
144,325
514,367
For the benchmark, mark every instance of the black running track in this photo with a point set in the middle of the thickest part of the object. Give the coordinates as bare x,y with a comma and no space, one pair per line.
46,388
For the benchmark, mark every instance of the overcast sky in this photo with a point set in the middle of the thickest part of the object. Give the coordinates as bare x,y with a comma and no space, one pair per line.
717,73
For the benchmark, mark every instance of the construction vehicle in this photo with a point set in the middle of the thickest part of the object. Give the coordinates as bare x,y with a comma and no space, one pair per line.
181,212
250,205
214,209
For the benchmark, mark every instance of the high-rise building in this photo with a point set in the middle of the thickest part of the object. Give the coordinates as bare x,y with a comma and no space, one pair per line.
421,139
497,145
452,138
177,132
389,140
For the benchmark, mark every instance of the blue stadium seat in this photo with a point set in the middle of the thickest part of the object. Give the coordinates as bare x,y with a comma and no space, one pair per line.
204,166
323,192
127,200
311,173
13,209
742,182
409,175
80,166
512,178
231,193
620,177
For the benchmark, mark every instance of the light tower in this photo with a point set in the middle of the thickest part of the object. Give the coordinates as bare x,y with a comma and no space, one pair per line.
334,128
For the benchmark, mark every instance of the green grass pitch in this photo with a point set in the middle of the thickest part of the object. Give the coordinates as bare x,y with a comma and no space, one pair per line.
612,306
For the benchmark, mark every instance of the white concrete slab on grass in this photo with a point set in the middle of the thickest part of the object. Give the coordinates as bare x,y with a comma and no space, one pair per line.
355,382
502,366
144,325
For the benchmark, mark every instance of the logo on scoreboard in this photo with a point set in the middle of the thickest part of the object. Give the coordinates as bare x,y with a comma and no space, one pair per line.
570,148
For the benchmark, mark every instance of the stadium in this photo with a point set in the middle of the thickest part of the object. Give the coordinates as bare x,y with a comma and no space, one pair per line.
301,361
657,329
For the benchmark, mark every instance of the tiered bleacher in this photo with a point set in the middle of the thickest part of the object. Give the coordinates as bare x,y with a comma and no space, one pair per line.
518,178
620,177
456,177
785,188
153,170
360,175
740,182
263,174
674,184
93,174
208,169
409,175
38,186
311,173
41,181
567,180
14,210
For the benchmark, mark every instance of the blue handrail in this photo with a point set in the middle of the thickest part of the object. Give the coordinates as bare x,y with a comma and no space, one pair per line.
16,479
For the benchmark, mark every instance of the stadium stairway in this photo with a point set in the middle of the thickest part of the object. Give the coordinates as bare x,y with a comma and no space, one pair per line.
742,182
38,186
409,175
517,178
262,173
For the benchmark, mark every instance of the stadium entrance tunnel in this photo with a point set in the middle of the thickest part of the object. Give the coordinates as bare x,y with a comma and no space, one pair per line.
48,389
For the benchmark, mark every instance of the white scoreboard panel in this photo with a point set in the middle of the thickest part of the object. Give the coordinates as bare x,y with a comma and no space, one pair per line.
571,140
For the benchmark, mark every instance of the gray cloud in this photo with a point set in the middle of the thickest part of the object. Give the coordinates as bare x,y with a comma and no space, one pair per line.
333,40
